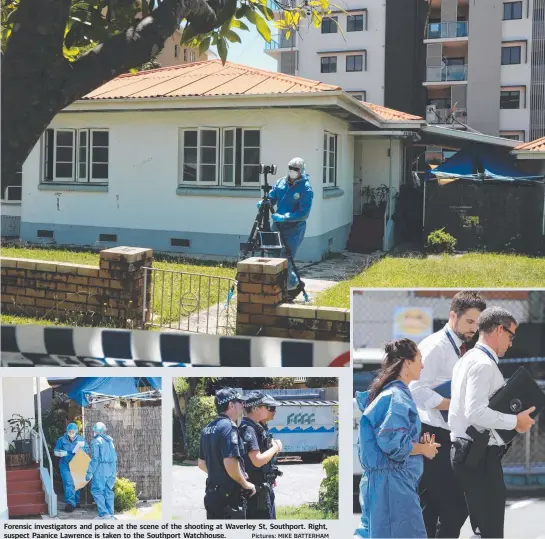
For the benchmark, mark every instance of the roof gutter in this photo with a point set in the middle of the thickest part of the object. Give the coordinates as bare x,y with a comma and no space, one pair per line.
384,133
467,136
539,155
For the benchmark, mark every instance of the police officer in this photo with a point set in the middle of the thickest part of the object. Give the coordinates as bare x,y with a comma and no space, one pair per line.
260,449
220,456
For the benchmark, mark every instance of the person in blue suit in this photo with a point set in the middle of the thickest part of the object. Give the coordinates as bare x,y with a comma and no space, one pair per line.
389,448
66,448
102,470
292,196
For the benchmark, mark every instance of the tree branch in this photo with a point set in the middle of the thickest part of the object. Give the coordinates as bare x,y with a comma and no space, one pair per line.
137,45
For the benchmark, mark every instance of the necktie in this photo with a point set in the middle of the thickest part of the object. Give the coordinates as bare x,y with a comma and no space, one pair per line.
463,349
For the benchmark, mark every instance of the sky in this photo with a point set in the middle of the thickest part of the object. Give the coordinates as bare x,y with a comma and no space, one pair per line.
251,51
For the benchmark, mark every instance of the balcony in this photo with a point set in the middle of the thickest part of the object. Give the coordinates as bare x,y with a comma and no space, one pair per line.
277,7
279,42
447,30
440,116
456,73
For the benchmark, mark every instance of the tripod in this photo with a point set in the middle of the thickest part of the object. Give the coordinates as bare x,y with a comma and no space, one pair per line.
261,237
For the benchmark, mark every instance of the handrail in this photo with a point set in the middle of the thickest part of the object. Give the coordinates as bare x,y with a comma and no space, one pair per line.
52,491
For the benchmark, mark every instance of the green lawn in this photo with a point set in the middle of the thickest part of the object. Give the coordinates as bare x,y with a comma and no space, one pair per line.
471,270
174,295
302,512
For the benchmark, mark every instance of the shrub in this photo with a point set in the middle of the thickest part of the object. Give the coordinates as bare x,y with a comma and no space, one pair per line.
200,411
440,241
328,499
125,494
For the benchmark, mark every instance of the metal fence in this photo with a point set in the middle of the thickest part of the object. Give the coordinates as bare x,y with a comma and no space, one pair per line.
190,302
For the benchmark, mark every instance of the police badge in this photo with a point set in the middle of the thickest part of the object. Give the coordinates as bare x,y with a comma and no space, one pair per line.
234,437
247,436
296,196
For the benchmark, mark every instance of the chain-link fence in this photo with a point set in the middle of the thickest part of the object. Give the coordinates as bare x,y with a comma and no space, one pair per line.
379,316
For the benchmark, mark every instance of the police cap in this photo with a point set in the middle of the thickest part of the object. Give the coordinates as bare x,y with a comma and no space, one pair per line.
228,394
258,398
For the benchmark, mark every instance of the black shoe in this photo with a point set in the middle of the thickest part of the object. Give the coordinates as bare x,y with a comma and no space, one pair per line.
69,508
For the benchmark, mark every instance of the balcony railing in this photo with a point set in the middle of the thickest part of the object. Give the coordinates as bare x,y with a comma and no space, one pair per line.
446,73
282,3
445,30
280,42
440,116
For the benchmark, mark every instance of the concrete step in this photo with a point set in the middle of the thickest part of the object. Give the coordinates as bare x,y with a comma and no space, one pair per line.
22,474
18,487
28,509
25,498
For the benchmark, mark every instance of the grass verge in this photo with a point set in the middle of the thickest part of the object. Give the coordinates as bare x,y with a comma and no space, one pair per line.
470,270
301,512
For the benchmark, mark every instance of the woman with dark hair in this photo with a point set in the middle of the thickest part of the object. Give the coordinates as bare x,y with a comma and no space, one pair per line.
389,448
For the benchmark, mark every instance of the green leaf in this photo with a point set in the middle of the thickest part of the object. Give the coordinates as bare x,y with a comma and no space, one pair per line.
242,11
260,24
222,49
269,15
239,24
204,45
232,37
188,34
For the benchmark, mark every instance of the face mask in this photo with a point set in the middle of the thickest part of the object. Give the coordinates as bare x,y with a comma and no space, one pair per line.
293,174
71,436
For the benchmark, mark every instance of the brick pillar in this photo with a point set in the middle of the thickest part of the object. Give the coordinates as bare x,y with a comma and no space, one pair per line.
262,285
123,267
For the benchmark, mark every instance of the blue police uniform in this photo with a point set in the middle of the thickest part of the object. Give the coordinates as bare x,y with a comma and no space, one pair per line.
389,427
255,437
293,205
64,443
220,439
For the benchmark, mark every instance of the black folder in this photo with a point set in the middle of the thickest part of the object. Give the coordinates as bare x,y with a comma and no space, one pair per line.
519,393
444,390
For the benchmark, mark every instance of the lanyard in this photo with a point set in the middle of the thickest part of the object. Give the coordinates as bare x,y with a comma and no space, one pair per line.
456,349
487,352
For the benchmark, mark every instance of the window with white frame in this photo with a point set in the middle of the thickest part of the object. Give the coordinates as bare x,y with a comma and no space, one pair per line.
76,155
330,160
228,156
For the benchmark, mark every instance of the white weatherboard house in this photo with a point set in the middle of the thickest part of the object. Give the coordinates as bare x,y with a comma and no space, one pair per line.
168,159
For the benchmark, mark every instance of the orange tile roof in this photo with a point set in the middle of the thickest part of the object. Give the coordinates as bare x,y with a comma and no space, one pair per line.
207,78
537,145
390,114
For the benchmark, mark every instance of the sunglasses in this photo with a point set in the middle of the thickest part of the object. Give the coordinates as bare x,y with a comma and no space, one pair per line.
511,334
294,168
271,408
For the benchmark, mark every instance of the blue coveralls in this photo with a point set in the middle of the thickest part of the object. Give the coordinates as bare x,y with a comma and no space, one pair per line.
220,439
294,202
389,427
255,438
71,495
103,467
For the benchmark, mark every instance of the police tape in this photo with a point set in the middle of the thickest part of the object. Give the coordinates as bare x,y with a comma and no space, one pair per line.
29,345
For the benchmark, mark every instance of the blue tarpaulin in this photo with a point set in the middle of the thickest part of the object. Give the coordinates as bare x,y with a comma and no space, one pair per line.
481,161
82,388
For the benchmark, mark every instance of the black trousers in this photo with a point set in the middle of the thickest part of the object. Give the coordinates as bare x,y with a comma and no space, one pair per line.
441,496
484,490
223,505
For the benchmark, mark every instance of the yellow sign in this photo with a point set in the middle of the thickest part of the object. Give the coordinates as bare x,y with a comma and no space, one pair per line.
413,323
78,468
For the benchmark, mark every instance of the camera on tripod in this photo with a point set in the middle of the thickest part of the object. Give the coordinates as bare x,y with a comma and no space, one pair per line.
267,169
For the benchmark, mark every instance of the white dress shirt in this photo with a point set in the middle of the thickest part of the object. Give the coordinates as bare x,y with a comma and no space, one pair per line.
475,379
439,358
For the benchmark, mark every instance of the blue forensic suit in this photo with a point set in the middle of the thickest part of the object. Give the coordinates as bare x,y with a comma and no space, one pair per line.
388,429
71,495
293,206
103,467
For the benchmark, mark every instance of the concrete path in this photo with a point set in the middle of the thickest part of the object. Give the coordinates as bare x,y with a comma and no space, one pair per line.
299,485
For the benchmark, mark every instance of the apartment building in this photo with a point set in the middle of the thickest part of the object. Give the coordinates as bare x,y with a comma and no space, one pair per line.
486,57
174,54
353,47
